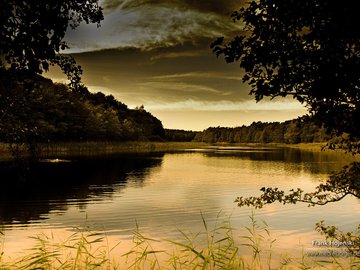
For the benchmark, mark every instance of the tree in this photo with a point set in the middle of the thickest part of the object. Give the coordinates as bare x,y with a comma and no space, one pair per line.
292,134
32,33
309,50
31,40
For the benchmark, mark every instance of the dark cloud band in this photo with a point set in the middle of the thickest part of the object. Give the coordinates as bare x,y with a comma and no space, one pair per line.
216,6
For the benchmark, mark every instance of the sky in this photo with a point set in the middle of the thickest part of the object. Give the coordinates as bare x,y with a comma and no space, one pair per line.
157,53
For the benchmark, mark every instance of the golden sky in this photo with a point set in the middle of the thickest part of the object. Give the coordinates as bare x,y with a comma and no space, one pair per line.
157,53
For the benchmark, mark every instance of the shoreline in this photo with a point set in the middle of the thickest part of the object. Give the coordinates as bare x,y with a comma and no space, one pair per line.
95,148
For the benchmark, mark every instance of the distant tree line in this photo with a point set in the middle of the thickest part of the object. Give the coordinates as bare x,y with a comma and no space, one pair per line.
299,130
35,109
179,135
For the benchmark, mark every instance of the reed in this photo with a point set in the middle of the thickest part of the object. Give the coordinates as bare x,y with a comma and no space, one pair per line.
214,248
95,148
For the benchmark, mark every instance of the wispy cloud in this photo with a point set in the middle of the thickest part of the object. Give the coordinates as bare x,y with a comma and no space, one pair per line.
149,25
224,105
216,6
179,87
170,55
206,75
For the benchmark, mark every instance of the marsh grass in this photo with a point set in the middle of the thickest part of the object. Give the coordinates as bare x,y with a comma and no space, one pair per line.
94,148
81,250
214,248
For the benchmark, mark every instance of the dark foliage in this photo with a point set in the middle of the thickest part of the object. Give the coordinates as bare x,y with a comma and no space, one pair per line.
309,50
32,33
299,130
34,109
344,183
178,135
306,49
339,185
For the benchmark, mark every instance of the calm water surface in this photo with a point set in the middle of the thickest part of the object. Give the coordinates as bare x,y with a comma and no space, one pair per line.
166,192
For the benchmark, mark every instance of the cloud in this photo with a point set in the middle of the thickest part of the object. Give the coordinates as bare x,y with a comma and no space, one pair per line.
180,87
216,6
134,78
156,53
182,54
206,75
150,24
102,89
224,105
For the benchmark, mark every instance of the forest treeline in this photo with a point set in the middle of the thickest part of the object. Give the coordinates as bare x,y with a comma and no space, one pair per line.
304,129
179,135
299,130
35,109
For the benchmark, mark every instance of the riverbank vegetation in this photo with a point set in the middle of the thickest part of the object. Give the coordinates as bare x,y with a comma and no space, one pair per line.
96,148
216,247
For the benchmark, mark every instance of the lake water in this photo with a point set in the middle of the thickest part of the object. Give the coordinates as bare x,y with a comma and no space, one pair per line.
167,192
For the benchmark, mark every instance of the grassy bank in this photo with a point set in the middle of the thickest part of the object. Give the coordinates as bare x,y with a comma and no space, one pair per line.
314,147
319,147
303,146
92,148
101,148
67,149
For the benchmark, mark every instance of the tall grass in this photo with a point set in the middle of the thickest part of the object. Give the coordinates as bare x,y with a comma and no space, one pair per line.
81,250
94,148
214,248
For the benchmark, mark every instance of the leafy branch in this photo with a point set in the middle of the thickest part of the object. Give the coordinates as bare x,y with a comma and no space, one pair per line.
339,185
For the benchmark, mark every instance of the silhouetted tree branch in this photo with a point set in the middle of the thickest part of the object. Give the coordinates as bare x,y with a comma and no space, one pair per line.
307,49
339,185
32,33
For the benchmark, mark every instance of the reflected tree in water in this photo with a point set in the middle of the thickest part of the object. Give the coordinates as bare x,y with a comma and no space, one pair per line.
56,186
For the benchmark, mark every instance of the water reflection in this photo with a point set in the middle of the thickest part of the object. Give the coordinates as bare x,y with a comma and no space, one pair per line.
54,186
310,160
165,193
50,186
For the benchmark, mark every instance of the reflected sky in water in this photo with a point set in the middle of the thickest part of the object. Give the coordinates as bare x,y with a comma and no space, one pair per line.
166,192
